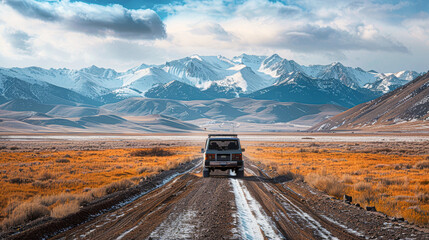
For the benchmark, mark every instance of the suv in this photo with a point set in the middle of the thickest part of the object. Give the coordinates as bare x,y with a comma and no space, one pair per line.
223,151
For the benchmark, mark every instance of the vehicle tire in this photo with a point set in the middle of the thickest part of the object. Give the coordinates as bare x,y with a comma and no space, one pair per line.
240,174
206,173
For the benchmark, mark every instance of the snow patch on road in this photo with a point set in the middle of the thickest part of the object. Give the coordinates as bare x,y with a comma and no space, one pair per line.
180,227
126,232
352,231
251,217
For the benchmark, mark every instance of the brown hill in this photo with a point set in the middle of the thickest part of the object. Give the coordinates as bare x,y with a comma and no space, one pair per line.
404,109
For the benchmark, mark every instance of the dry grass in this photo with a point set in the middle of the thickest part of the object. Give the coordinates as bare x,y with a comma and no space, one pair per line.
118,186
65,209
374,174
156,151
24,213
362,186
57,183
346,178
326,183
422,165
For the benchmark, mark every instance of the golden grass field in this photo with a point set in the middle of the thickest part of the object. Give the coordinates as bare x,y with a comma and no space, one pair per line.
393,179
37,179
56,183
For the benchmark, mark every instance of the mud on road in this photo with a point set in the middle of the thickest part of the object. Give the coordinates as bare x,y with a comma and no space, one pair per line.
225,207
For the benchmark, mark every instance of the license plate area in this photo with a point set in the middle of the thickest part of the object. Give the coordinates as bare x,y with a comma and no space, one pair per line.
224,157
223,163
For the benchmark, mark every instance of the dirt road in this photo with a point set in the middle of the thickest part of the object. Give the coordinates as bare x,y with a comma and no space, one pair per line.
220,207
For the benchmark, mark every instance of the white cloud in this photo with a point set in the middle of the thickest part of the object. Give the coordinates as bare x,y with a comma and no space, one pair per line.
76,34
19,40
264,24
92,19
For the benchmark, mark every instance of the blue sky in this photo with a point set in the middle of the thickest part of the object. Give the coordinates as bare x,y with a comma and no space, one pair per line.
384,35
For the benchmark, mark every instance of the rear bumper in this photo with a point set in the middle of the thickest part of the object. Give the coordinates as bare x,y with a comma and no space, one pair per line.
223,165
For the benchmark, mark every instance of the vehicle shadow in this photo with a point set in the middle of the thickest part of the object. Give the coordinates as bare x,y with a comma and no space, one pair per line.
277,179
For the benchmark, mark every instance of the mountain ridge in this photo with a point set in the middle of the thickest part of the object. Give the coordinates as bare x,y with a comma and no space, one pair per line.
238,76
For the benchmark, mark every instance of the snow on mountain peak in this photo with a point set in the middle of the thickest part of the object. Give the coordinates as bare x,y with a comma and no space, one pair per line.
246,72
196,56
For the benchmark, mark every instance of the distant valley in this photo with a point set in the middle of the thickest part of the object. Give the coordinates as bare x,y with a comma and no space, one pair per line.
140,115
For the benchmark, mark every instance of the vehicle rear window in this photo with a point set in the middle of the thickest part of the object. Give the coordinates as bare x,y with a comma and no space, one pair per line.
222,145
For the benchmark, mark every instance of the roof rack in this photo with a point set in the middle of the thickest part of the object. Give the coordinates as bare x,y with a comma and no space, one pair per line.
222,135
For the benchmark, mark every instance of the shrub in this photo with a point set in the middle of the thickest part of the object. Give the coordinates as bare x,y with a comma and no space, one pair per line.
53,199
85,197
62,160
347,179
362,186
20,180
118,186
282,171
65,209
421,165
156,151
388,182
144,169
40,184
13,203
24,213
327,184
171,165
367,196
423,197
46,176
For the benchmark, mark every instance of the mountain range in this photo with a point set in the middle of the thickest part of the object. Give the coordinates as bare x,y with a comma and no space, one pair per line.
202,78
259,93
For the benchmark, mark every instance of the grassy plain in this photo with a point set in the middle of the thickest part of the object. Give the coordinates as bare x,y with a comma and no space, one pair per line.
41,182
393,177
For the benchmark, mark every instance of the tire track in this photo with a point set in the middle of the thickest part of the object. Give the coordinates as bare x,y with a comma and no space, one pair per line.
253,221
293,217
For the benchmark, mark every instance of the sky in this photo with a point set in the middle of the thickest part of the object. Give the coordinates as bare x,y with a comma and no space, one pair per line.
381,35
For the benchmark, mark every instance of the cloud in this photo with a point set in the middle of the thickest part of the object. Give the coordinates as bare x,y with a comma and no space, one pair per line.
380,34
213,30
19,40
92,19
311,38
264,24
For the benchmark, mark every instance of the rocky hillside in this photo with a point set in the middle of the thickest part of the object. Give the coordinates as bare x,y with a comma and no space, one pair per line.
407,107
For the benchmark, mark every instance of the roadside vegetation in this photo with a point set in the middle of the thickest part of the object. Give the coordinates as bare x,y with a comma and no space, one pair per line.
36,184
392,177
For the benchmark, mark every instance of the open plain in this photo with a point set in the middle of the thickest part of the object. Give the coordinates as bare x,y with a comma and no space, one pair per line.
151,186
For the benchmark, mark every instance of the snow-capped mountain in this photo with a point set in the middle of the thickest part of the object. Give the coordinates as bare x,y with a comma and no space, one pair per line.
298,87
178,91
12,88
387,82
91,82
136,83
217,76
275,66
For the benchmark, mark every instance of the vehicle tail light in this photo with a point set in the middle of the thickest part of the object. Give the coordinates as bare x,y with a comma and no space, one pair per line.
210,156
237,157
